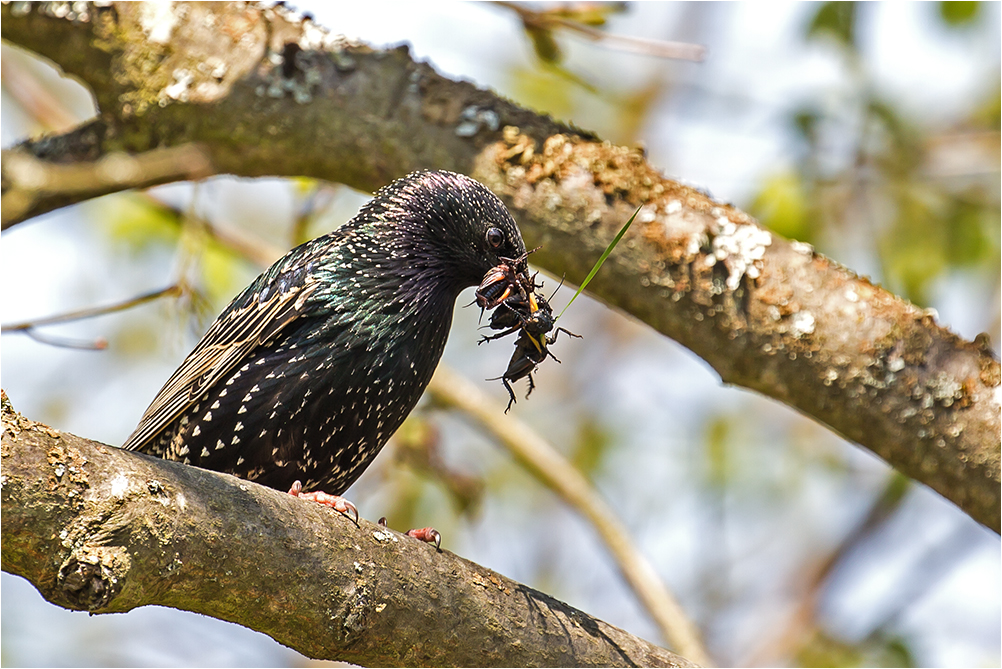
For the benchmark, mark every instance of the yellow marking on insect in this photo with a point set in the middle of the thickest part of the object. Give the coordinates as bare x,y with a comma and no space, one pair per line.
536,342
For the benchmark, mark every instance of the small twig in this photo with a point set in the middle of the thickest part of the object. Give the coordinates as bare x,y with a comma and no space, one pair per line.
91,312
547,20
49,110
250,247
641,45
550,467
802,622
98,344
30,328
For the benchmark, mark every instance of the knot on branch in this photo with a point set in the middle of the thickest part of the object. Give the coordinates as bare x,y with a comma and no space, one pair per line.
91,576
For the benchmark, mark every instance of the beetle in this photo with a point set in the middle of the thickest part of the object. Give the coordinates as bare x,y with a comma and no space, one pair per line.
499,282
508,289
533,319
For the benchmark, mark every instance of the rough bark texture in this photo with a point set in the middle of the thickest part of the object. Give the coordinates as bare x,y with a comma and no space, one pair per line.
99,529
766,313
265,92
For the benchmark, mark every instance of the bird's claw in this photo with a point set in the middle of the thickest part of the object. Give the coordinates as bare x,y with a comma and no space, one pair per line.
336,502
429,535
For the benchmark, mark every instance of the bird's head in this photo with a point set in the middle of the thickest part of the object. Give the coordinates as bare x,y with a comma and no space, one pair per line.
451,228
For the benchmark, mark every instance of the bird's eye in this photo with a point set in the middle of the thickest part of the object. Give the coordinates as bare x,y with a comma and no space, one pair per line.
495,237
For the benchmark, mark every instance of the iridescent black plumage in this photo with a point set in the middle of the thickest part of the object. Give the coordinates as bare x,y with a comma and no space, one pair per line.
313,366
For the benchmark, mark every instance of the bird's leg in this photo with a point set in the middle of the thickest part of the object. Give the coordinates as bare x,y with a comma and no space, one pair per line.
429,535
336,502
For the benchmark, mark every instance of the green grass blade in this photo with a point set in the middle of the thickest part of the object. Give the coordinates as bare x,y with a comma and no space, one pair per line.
598,265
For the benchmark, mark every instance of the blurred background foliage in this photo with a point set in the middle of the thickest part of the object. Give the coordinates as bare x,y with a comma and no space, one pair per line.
870,131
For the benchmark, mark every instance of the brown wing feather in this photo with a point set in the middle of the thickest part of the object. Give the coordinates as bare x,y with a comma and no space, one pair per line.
226,343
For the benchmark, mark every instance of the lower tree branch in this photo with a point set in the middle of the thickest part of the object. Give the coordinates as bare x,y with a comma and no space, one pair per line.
103,530
33,186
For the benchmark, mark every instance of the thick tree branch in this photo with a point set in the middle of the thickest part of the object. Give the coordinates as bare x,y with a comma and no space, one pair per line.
103,530
265,92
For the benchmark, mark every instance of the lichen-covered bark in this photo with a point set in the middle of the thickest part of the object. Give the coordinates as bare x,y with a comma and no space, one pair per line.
766,313
268,93
99,529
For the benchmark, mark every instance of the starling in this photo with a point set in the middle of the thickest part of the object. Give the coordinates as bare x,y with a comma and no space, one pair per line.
309,370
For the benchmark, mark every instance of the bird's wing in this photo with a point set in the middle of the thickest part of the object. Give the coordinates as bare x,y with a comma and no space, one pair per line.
227,342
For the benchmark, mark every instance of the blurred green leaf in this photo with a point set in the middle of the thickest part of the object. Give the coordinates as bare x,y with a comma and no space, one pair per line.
545,90
223,273
989,112
914,252
782,206
806,122
303,185
136,338
544,44
589,13
959,13
718,435
897,487
590,447
901,151
137,223
973,233
837,20
878,650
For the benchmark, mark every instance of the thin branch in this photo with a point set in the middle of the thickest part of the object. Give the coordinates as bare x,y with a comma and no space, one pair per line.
801,624
98,344
548,466
37,101
557,18
91,312
28,180
100,529
30,327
